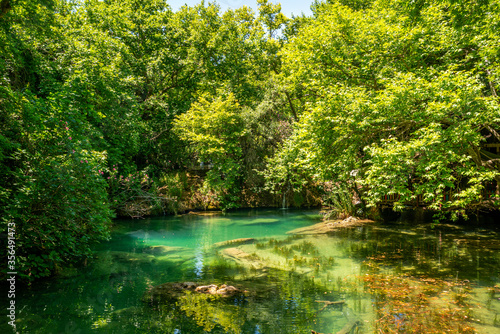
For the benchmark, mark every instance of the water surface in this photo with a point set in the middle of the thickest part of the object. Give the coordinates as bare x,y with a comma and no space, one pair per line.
290,280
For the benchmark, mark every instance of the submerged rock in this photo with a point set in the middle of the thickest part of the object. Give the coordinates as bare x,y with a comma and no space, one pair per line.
234,242
330,226
164,250
169,291
243,258
223,290
261,221
227,290
208,289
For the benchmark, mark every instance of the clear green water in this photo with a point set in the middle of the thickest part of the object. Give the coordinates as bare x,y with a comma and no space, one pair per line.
287,277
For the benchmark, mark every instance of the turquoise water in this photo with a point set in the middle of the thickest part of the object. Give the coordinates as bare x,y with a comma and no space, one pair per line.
193,231
287,278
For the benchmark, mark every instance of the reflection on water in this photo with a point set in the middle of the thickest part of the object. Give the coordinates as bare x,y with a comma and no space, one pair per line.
198,266
401,278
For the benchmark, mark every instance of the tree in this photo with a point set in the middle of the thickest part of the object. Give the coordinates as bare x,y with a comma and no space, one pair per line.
52,189
214,128
394,105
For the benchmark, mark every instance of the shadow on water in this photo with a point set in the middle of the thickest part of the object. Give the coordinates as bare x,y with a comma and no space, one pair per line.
370,277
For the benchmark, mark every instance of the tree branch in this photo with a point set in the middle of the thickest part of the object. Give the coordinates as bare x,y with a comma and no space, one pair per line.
492,131
291,106
493,91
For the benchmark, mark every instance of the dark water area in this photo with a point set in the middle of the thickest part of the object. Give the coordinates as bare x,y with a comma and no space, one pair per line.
378,276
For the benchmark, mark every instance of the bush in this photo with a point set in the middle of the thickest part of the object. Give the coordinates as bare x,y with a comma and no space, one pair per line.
59,209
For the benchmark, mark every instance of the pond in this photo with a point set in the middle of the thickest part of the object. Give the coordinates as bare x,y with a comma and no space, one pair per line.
400,277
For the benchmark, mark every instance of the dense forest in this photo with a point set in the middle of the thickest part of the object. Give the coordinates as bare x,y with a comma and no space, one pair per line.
125,107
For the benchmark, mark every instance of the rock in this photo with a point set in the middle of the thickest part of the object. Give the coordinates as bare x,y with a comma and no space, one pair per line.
242,258
210,289
320,228
170,291
350,219
164,250
189,285
330,226
261,221
235,242
227,290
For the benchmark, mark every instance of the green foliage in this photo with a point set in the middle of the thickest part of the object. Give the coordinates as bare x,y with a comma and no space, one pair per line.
214,129
393,103
52,190
174,186
271,17
341,199
384,97
286,172
135,194
81,80
57,201
267,125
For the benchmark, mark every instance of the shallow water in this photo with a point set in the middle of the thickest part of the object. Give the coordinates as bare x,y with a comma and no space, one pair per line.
288,279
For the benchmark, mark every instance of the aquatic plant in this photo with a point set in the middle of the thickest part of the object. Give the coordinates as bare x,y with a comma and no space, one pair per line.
306,247
419,305
261,245
273,242
298,260
321,261
283,251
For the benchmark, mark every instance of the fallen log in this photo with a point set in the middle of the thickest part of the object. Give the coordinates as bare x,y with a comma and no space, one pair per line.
328,303
352,322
